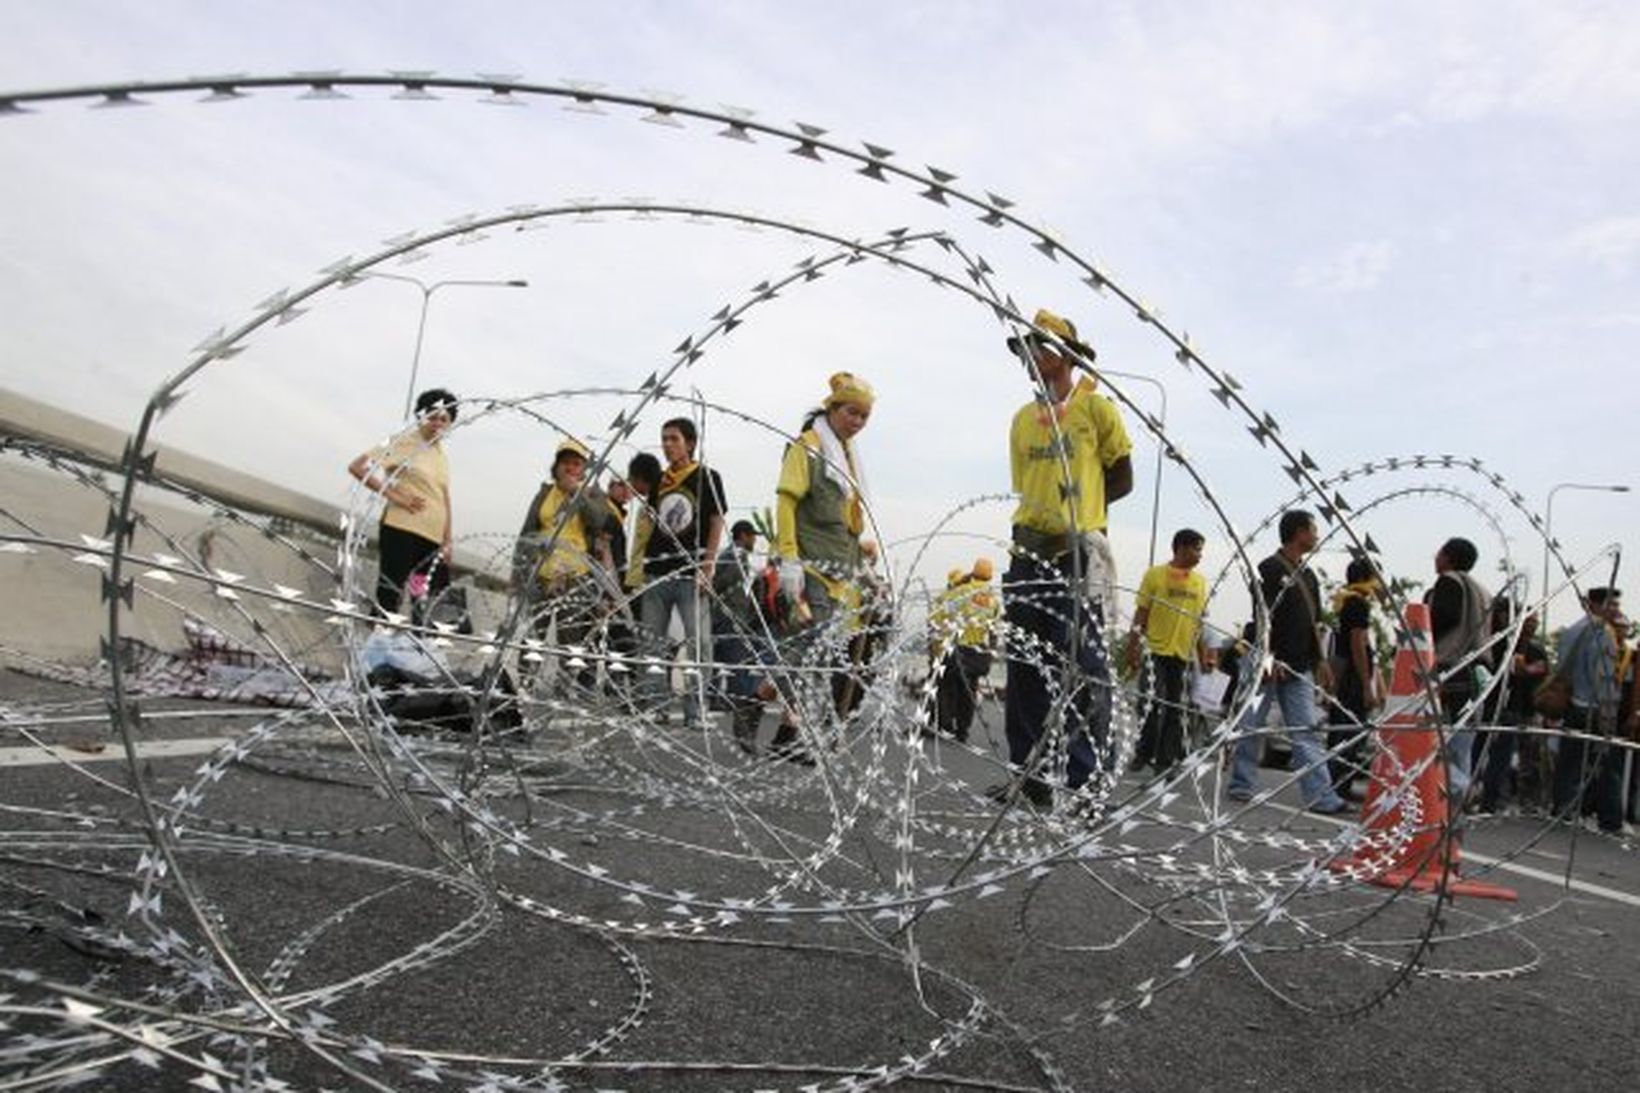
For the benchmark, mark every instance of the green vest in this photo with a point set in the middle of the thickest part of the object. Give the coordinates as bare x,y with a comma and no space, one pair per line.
822,534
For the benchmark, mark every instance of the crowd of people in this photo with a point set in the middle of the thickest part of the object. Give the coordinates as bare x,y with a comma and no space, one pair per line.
624,567
629,565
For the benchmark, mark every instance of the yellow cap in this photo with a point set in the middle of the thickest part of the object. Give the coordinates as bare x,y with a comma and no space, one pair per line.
847,387
983,570
1061,328
954,578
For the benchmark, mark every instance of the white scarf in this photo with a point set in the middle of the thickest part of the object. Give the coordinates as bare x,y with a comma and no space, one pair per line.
835,461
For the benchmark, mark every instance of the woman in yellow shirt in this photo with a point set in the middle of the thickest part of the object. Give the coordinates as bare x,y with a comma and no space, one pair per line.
819,518
563,553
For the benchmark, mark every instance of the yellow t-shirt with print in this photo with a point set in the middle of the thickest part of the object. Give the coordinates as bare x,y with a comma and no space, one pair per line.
977,611
1089,438
1176,599
964,614
568,556
417,467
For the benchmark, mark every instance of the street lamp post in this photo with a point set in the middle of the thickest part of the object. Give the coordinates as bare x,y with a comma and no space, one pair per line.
1161,450
421,322
1549,529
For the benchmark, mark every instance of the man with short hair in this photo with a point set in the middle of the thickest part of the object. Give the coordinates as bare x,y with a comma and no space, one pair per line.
1587,655
1460,614
1291,594
1167,621
1069,457
681,556
1355,686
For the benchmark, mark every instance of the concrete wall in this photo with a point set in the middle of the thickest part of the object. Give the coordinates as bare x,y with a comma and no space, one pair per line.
51,604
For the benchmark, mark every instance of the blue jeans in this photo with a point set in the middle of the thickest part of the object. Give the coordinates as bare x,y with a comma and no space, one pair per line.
1296,696
741,653
1037,601
1460,743
1587,768
674,592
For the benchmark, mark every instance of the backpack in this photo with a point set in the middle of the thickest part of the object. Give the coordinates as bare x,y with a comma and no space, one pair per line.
767,602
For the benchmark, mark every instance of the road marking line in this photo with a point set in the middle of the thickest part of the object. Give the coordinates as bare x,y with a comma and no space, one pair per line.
1557,879
110,752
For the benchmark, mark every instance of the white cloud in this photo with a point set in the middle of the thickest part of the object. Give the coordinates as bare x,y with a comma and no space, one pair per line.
1359,267
1613,242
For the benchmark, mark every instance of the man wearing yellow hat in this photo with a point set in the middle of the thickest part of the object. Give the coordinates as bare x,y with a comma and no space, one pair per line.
961,627
1069,457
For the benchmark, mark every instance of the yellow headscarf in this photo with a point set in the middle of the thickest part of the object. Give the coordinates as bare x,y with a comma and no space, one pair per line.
847,387
1367,589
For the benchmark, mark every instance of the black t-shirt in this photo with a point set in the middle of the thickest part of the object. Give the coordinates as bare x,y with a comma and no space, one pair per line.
1292,612
682,516
1521,686
1353,615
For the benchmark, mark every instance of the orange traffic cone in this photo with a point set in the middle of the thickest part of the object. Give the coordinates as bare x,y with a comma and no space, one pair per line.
1406,838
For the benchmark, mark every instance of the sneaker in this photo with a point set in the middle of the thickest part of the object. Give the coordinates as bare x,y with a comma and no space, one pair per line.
1240,796
1038,793
1330,808
788,747
744,725
796,753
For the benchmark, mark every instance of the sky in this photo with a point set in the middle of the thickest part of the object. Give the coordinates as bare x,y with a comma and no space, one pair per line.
1403,227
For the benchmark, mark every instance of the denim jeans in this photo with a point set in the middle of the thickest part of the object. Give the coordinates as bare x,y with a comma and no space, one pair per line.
741,655
674,592
1460,743
1587,768
1161,740
1037,601
1296,696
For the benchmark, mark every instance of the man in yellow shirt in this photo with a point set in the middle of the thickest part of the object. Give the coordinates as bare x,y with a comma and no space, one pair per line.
1069,457
961,626
1167,619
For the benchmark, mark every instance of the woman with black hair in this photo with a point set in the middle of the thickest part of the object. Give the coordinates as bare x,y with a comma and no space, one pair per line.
411,474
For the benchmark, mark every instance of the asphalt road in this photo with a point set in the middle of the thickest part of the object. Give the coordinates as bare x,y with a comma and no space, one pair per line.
321,887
